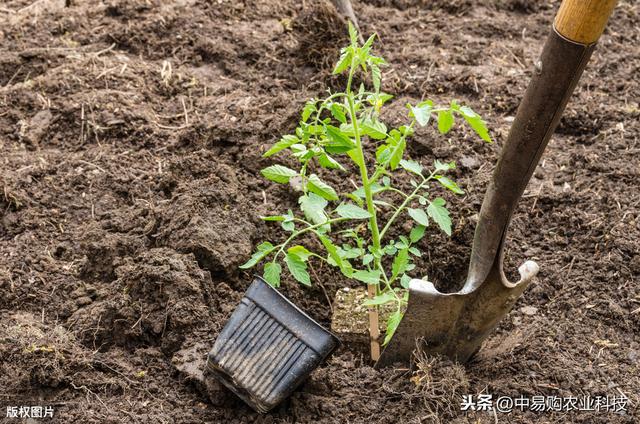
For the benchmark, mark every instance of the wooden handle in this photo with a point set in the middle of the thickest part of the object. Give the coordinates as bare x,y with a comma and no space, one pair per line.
583,21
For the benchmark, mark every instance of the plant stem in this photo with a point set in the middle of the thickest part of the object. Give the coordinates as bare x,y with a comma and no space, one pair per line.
405,203
372,289
304,230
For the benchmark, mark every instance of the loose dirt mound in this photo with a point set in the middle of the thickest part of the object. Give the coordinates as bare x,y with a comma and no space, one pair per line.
131,135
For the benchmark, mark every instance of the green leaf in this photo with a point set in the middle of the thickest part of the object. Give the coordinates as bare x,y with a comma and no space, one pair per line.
349,210
449,184
374,129
475,122
331,249
417,233
344,62
375,189
356,157
349,252
338,113
443,166
440,214
272,271
308,109
392,326
400,263
369,42
380,299
422,112
368,277
285,142
288,224
445,121
353,34
396,154
338,141
319,187
383,153
278,173
298,269
376,77
300,251
313,207
411,166
419,216
262,250
327,161
404,281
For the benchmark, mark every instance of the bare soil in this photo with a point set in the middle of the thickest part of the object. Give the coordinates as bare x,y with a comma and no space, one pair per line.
131,135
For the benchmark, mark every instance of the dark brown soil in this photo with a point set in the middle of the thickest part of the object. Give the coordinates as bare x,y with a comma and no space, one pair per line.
130,141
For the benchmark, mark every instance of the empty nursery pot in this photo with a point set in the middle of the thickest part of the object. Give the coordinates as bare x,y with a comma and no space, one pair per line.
268,347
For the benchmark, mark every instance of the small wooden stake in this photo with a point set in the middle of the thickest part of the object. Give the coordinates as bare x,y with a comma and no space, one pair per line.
374,326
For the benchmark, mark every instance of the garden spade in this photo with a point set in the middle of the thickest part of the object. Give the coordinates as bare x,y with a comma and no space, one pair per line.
455,324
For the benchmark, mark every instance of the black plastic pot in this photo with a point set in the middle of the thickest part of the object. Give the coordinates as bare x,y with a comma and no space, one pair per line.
268,347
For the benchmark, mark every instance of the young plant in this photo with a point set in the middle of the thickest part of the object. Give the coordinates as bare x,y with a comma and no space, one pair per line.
333,132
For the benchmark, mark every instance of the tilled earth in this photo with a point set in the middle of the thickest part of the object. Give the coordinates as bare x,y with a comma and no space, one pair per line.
131,135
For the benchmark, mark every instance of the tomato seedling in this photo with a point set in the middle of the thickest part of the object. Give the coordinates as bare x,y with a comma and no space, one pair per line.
337,129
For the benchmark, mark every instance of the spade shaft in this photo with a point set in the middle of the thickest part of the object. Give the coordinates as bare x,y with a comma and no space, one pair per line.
456,324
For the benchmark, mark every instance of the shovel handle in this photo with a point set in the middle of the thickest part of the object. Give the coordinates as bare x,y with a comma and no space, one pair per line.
582,21
577,27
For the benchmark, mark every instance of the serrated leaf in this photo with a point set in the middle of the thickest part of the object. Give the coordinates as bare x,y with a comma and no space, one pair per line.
411,166
375,189
272,271
449,184
419,216
338,113
404,281
383,153
400,263
308,109
319,187
285,142
278,173
475,122
349,210
440,215
344,62
392,326
445,121
396,154
300,251
356,157
374,129
327,161
349,252
353,34
332,250
262,250
288,224
338,141
422,113
417,233
313,207
376,77
443,166
298,269
368,277
380,299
